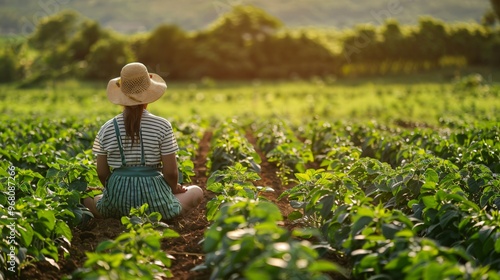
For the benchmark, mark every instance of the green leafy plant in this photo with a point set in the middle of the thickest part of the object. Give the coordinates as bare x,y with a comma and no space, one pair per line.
316,194
37,221
245,241
340,158
188,136
185,165
75,174
290,158
229,146
232,183
282,147
135,254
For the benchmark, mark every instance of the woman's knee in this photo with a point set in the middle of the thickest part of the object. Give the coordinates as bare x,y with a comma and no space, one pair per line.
196,192
191,198
91,203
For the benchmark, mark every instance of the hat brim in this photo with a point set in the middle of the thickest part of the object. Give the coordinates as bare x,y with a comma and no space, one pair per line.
155,90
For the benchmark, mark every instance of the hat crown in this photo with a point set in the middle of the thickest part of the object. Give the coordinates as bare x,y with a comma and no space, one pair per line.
134,78
133,70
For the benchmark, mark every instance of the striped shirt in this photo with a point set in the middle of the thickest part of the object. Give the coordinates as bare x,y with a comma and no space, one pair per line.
158,139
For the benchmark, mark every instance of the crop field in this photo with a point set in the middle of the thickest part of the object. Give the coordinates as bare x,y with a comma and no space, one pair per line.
303,179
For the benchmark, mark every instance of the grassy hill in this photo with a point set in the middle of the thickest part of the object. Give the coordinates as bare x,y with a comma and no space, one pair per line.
127,16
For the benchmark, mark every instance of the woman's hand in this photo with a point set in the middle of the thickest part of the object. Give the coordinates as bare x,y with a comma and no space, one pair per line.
179,189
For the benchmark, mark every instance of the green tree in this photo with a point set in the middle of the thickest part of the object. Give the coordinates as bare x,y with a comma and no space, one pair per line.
394,45
225,46
430,39
287,56
496,7
362,45
107,57
87,35
489,18
165,51
244,23
469,41
55,30
8,66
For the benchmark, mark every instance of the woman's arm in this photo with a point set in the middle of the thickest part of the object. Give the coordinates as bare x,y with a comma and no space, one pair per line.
171,173
103,168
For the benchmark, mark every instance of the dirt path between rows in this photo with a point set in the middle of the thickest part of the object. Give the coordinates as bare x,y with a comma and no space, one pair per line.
187,248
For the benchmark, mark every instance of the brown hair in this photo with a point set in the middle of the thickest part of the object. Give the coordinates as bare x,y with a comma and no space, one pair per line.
132,116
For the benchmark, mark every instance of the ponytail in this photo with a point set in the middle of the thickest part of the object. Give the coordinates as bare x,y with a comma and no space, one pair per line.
132,116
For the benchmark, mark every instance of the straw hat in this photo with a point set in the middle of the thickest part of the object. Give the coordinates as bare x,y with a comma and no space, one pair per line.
135,86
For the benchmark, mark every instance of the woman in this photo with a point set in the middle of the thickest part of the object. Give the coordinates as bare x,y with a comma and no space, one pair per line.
136,153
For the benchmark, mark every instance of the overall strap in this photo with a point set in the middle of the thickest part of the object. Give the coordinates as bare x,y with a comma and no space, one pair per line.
143,160
120,144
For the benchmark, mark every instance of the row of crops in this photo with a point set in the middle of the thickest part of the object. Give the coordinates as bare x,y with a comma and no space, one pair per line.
45,170
404,203
418,204
388,202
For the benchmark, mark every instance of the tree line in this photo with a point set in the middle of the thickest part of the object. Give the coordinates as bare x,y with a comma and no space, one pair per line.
245,43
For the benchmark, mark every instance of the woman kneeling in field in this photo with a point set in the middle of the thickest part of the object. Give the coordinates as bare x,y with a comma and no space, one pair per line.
136,153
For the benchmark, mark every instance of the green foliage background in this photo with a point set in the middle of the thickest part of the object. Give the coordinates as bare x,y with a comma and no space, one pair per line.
246,43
